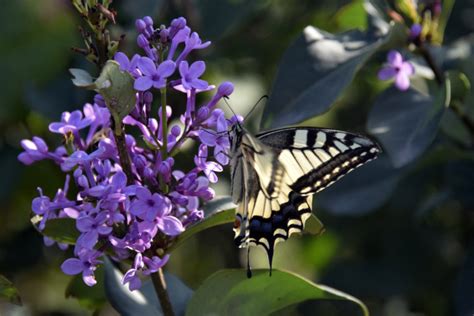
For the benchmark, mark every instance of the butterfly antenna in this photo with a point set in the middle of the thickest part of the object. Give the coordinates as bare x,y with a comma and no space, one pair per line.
228,105
255,106
249,271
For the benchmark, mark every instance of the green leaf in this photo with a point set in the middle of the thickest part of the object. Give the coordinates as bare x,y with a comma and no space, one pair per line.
460,85
217,212
230,292
407,122
313,226
314,72
116,87
81,78
143,301
352,15
90,297
443,20
62,230
8,292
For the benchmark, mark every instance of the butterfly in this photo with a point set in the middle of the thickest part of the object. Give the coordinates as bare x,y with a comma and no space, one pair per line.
275,173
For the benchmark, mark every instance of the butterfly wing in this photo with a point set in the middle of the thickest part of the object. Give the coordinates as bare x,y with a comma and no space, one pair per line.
279,170
269,211
318,157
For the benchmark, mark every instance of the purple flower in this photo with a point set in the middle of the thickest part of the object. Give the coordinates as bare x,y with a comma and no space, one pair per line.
154,207
70,122
86,263
152,76
217,139
154,264
415,31
192,42
99,117
126,64
138,238
147,205
208,167
81,158
397,68
190,75
34,150
48,209
91,227
131,277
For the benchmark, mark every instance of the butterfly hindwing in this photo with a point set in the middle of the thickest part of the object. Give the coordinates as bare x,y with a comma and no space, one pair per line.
269,211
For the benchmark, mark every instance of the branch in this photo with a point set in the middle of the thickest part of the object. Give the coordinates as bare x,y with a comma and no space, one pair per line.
159,283
439,76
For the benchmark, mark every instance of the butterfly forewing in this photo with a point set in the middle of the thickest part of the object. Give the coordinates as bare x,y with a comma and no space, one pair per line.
318,157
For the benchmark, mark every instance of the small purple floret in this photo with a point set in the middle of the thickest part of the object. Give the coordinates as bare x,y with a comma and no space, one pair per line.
398,69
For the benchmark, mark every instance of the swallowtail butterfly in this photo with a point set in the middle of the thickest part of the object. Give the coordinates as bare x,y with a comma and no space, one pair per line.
274,175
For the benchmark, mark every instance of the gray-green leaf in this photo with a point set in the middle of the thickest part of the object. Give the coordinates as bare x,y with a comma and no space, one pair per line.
407,122
143,301
116,87
8,291
230,292
314,72
81,78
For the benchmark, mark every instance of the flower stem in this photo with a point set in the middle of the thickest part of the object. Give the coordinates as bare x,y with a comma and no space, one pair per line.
159,283
164,124
463,117
439,76
164,130
119,137
431,63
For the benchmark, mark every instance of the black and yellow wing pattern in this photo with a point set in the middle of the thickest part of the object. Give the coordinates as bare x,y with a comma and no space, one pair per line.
275,173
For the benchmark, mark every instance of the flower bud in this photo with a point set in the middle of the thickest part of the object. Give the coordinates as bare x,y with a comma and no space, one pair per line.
99,100
148,97
202,113
225,89
40,144
140,25
142,42
176,130
148,21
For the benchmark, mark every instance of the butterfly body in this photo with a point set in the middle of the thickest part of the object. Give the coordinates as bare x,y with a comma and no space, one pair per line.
274,175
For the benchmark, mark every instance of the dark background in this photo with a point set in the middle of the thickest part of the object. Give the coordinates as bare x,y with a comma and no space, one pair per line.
411,254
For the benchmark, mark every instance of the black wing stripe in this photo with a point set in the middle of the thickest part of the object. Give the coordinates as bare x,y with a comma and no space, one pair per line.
332,170
311,140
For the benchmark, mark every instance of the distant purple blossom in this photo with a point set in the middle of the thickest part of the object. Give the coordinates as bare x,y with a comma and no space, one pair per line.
398,69
415,31
127,213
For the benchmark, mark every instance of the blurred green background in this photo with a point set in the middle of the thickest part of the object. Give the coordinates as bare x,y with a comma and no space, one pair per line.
407,257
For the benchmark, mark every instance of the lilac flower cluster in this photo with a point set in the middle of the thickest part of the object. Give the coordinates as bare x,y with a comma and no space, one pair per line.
135,219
